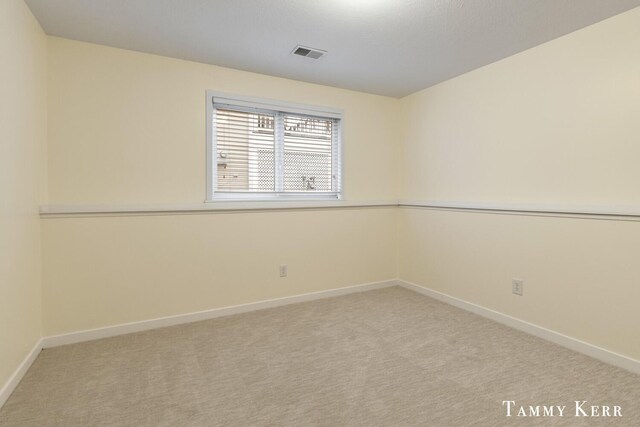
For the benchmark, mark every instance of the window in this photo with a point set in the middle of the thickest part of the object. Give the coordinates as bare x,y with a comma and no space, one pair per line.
261,149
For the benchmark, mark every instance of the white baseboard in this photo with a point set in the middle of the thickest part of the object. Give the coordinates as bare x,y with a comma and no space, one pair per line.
576,345
144,325
22,369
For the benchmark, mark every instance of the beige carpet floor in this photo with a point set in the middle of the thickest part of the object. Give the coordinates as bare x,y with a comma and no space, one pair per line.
387,357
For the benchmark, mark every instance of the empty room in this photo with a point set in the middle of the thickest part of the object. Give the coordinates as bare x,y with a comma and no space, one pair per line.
319,213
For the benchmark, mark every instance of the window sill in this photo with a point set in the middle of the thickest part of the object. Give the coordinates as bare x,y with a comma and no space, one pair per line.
293,203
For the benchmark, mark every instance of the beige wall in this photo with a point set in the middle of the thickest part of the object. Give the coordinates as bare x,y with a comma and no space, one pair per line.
129,128
105,271
580,276
22,145
554,125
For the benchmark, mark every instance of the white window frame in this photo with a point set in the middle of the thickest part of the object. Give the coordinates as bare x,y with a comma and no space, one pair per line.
261,104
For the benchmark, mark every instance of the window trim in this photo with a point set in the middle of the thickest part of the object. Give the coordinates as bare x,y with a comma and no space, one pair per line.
260,104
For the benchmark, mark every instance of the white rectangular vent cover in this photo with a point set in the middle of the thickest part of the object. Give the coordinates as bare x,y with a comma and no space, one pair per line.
308,52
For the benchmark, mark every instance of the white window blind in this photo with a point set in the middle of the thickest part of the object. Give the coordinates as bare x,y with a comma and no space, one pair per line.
273,153
245,151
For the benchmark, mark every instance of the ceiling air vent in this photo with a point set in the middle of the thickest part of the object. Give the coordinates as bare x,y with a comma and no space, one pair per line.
308,52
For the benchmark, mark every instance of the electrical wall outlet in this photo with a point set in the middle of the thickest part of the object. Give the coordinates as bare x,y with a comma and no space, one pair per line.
517,286
283,270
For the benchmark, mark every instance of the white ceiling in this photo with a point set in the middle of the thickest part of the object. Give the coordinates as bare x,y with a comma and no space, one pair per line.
387,47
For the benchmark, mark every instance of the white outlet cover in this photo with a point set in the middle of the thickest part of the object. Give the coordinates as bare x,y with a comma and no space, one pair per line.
283,270
517,286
